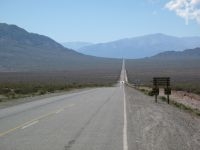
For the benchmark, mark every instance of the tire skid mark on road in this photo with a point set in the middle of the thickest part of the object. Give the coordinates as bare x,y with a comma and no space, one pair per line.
78,134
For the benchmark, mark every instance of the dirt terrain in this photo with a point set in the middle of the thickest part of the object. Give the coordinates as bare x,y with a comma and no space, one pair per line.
156,126
189,99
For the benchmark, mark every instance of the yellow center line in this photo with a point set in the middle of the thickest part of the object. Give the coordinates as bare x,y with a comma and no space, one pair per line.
30,124
33,120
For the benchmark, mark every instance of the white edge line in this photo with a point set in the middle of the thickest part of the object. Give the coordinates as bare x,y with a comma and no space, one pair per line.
71,105
30,124
125,142
57,112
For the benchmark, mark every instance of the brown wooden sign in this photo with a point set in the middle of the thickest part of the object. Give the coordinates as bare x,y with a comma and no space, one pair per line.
160,82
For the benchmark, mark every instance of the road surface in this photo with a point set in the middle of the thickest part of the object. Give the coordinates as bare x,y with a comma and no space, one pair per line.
112,118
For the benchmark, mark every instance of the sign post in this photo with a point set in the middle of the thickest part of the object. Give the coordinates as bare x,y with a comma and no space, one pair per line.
160,82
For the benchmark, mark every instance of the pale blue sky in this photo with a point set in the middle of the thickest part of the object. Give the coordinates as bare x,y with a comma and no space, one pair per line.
95,20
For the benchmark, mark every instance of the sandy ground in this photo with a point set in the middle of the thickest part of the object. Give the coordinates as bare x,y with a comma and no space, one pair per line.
189,99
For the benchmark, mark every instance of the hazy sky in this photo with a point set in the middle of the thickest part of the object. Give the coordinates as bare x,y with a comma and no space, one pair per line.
102,20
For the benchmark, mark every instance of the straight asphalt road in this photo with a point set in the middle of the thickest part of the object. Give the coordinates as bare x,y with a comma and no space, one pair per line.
110,118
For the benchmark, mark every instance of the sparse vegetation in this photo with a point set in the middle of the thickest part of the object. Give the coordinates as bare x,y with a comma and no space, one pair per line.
184,73
163,98
181,106
146,90
17,85
18,90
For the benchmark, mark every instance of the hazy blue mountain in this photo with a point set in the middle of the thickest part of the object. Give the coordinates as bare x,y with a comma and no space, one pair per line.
143,46
24,51
186,54
76,45
181,66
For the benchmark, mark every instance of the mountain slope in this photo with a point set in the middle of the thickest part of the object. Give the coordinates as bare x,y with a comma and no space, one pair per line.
139,47
24,51
182,67
75,45
186,54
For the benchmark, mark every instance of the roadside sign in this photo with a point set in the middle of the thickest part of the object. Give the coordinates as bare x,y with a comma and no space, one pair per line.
161,82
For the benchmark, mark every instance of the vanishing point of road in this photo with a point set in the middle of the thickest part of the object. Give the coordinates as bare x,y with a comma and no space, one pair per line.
108,118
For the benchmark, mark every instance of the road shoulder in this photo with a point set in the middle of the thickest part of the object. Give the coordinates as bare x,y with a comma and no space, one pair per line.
13,102
158,125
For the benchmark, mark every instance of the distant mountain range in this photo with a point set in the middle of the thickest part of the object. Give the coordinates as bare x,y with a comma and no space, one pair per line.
24,51
186,54
181,66
76,45
139,47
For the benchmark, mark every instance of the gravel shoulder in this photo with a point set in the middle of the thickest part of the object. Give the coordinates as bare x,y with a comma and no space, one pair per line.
156,126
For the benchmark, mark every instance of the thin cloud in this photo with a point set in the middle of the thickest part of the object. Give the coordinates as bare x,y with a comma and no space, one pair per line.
187,9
